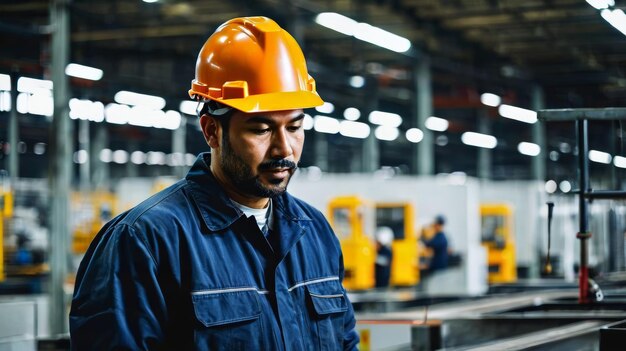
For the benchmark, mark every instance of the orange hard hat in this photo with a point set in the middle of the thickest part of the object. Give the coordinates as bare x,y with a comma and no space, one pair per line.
253,65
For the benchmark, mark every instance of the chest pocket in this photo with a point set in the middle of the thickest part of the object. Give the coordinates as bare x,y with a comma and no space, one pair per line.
327,307
227,319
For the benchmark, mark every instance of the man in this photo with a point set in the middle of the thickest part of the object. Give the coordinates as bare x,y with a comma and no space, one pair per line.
438,243
225,259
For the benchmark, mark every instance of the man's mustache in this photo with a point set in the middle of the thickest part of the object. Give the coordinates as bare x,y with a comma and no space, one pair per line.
273,164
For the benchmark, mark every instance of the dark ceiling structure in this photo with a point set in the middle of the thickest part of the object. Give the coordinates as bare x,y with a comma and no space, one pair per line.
561,48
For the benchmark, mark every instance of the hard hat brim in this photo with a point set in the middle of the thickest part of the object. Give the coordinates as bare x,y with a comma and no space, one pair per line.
282,101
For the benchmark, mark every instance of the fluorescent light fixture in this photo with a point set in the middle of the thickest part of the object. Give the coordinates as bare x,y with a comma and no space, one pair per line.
86,110
351,113
106,155
138,157
40,104
414,135
565,186
137,99
5,101
325,124
619,161
5,82
84,72
387,133
150,1
385,118
357,81
382,38
307,122
616,18
155,158
81,156
601,4
32,85
490,99
550,186
517,113
479,140
363,31
172,120
188,107
327,108
120,156
529,149
175,159
436,124
353,129
339,23
599,156
39,148
116,113
190,159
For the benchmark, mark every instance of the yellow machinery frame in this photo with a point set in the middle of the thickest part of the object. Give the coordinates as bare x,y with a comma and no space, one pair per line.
86,230
349,216
6,211
405,262
501,244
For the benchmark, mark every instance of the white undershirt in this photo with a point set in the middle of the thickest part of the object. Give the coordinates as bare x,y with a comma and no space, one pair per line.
261,215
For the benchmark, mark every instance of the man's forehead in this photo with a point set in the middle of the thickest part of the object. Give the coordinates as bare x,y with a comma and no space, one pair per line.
274,116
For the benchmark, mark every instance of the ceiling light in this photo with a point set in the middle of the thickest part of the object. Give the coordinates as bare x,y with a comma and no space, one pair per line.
363,31
325,124
619,161
136,99
528,149
599,157
550,186
84,72
601,4
307,122
351,113
490,99
517,113
414,135
327,108
616,18
385,118
354,129
565,186
188,107
436,124
357,81
337,22
386,133
479,140
32,85
5,82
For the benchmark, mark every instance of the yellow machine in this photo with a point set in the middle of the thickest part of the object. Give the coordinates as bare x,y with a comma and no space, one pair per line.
6,211
90,211
399,216
497,237
352,219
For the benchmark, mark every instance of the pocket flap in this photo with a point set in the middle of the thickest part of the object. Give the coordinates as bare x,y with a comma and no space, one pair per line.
218,308
327,297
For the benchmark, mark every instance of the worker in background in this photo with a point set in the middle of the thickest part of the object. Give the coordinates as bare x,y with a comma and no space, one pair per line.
438,243
384,256
225,259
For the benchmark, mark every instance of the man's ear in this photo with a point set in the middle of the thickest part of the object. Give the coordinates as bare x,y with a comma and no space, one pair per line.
212,130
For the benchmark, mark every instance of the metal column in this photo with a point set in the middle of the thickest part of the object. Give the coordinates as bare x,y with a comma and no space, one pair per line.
424,109
83,144
100,169
538,164
484,154
179,147
14,164
583,209
61,164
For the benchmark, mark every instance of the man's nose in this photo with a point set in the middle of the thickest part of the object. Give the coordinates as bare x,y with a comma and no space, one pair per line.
281,145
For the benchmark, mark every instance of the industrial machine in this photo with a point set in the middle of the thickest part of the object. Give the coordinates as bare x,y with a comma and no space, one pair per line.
497,237
352,219
90,211
399,216
6,211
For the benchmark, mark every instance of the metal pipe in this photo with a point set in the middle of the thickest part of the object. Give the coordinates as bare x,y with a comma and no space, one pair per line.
583,209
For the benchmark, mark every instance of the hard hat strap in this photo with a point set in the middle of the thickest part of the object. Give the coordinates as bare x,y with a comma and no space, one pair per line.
213,108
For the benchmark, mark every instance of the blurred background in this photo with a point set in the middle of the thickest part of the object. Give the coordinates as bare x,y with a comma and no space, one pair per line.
431,109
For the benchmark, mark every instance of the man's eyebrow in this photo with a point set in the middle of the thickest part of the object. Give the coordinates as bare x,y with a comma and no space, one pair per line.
267,120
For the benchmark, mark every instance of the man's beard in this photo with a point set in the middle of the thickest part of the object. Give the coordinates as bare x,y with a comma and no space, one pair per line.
243,178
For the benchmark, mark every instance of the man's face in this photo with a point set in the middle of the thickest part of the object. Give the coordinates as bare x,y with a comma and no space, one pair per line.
259,152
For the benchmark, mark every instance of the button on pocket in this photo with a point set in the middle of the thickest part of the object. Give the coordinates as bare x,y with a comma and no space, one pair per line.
228,319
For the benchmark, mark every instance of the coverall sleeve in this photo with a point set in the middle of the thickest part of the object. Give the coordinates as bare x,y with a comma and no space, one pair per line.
118,302
350,336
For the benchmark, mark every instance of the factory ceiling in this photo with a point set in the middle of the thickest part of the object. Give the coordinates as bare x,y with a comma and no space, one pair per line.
506,47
